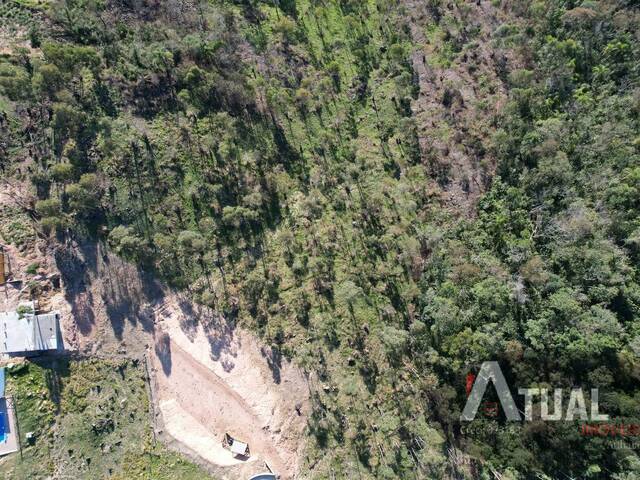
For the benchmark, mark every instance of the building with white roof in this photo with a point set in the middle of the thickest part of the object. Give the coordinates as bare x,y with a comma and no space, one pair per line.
27,332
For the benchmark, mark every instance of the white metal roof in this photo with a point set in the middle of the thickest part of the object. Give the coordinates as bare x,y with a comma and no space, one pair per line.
238,448
28,334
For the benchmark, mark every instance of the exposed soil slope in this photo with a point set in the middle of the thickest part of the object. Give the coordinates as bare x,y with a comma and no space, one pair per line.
218,374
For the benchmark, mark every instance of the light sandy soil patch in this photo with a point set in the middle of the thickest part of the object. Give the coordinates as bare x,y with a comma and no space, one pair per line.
233,384
192,434
221,375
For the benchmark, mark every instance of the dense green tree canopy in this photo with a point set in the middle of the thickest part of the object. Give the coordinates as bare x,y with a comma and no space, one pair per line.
388,192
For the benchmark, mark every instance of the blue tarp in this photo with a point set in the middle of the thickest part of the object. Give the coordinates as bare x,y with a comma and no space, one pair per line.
1,382
2,427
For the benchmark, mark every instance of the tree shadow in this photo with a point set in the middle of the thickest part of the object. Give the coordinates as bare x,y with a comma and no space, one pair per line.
74,276
130,296
220,333
55,371
188,319
59,337
125,290
127,293
273,356
163,352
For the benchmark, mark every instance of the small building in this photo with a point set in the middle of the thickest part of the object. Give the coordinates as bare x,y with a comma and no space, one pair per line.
28,333
237,447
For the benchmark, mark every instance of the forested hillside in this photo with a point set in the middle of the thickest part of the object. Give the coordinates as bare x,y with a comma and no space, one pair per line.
389,192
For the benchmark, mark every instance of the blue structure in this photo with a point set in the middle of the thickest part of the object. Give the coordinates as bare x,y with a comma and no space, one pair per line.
3,418
8,429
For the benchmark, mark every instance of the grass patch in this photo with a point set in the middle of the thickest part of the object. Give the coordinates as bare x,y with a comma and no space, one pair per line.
4,105
15,227
32,269
34,4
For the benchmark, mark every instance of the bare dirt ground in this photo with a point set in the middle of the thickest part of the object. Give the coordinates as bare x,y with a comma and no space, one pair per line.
208,377
246,389
12,38
190,395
